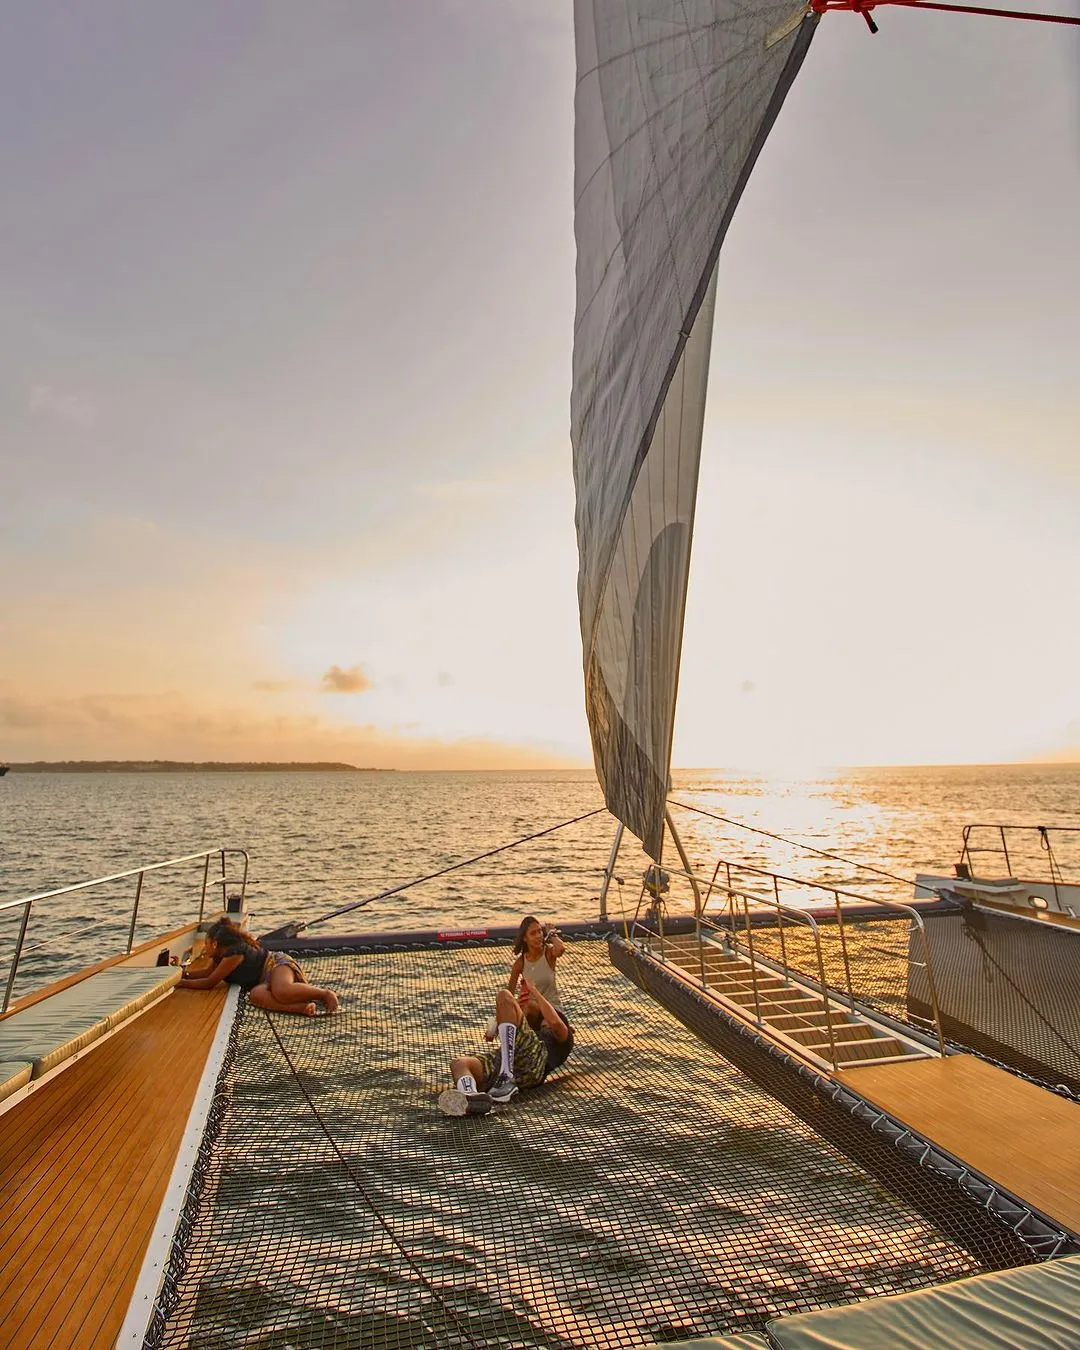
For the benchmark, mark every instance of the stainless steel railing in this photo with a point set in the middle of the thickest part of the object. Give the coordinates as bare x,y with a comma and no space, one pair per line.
849,982
996,837
783,912
27,902
755,971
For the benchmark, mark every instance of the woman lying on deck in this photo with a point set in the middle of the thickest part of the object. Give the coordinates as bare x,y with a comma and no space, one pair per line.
273,980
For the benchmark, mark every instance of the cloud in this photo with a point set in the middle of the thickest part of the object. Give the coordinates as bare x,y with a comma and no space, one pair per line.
748,686
170,726
351,681
445,679
56,405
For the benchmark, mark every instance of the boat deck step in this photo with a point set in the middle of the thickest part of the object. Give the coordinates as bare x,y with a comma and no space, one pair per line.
779,1005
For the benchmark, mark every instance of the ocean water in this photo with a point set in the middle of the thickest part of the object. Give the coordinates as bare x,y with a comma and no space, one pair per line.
692,1247
318,841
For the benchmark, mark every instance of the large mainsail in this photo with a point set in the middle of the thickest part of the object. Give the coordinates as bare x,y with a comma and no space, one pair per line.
674,101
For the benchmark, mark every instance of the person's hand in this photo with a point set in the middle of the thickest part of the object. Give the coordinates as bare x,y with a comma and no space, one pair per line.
524,994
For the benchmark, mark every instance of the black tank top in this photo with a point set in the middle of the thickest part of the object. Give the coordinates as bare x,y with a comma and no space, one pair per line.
249,972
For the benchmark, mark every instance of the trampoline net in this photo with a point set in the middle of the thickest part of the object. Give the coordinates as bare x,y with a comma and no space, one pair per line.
650,1192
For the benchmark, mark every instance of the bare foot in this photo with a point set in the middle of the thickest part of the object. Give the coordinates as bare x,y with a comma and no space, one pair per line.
309,1010
330,1002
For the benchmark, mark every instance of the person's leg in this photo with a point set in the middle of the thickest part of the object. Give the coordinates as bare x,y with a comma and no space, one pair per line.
501,1088
287,987
530,1057
470,1073
263,998
467,1067
508,1015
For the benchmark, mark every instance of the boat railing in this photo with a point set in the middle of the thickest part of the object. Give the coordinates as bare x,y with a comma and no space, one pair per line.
230,860
870,962
758,973
994,839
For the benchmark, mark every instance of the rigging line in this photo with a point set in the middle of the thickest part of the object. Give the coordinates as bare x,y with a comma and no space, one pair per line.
864,6
451,1312
454,867
973,934
795,843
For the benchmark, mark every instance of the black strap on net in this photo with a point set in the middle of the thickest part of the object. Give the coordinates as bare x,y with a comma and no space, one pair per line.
294,928
450,1312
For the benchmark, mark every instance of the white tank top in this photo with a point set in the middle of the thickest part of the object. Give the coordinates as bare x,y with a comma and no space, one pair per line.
541,977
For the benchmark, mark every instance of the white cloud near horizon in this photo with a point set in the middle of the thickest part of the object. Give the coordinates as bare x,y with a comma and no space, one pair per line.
340,681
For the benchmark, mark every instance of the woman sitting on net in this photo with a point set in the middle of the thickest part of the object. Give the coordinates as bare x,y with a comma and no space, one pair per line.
273,980
537,948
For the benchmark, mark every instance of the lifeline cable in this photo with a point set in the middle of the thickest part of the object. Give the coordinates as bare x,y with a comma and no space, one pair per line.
808,848
451,1313
294,929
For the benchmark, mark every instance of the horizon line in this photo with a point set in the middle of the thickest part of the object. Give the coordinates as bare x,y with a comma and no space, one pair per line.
340,765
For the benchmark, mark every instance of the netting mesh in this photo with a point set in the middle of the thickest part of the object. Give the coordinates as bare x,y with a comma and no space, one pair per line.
651,1192
1010,989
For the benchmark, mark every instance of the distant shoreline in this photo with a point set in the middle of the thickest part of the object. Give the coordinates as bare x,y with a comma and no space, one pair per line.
184,766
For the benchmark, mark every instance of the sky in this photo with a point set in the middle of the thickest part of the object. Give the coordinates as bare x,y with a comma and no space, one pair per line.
284,394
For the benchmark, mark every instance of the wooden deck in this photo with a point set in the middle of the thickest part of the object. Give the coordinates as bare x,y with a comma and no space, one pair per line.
1020,1136
84,1164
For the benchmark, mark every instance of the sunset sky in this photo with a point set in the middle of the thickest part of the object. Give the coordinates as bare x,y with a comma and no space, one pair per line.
284,385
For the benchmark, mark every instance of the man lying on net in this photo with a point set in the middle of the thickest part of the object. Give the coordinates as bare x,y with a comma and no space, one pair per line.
523,1057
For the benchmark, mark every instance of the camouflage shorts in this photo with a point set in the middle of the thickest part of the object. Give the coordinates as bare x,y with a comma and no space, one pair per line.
530,1058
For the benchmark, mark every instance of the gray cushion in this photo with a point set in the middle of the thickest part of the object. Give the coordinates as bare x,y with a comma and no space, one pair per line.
1032,1308
14,1074
47,1033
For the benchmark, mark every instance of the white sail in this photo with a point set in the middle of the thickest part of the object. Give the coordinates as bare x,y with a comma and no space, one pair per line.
674,101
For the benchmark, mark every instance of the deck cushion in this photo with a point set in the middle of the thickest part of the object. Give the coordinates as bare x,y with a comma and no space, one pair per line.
1032,1308
14,1074
47,1033
132,988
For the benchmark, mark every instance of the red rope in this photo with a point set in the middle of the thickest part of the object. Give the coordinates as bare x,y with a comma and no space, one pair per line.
864,6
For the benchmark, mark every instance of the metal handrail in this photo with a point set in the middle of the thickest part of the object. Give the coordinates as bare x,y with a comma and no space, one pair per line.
27,902
774,877
782,1036
796,915
1057,877
122,876
765,900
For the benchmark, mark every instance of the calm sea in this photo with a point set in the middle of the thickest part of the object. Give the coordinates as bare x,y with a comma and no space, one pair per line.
318,841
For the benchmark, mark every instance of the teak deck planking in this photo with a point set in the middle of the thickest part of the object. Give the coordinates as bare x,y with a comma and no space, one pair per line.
84,1164
1023,1137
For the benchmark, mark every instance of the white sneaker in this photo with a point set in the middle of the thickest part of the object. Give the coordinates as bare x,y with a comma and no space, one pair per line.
454,1102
